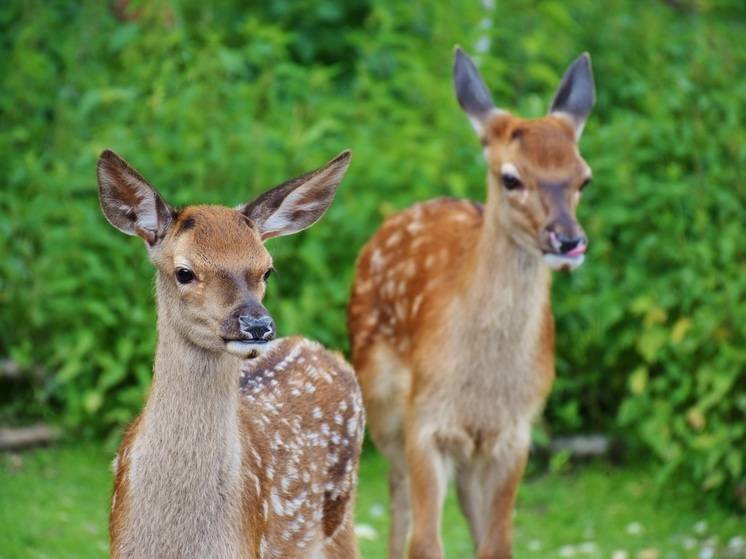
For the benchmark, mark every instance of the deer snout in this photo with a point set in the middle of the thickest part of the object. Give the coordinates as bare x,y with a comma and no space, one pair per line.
567,241
257,328
568,245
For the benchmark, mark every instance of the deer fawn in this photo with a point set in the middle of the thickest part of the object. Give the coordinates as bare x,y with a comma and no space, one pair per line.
450,319
231,457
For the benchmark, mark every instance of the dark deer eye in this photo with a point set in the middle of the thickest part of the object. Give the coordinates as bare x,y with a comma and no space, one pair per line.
268,273
184,275
511,182
585,183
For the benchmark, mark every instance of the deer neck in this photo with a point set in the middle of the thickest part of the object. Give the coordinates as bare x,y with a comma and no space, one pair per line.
185,474
194,393
508,284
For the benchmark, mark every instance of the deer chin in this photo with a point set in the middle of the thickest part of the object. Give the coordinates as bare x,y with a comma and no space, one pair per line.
562,261
249,349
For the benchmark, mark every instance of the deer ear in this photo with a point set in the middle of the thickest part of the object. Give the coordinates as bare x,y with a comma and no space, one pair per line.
129,202
472,94
576,94
298,203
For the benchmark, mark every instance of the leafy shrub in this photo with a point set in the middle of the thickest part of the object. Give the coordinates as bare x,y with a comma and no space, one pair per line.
217,105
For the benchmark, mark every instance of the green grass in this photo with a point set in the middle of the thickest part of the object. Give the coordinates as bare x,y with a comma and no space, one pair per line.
54,503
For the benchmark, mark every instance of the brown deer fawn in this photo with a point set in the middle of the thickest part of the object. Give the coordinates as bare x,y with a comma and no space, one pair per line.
450,319
232,457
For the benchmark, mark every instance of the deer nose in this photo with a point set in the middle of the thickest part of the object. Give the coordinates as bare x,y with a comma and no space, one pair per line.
568,245
257,329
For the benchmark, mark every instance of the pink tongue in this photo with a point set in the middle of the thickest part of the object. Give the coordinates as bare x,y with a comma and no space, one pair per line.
578,250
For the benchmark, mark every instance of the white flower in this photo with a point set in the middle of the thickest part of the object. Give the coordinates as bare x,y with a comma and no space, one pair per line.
700,527
377,510
634,528
706,553
366,532
736,543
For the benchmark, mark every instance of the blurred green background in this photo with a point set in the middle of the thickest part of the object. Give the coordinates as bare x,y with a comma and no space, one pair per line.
217,103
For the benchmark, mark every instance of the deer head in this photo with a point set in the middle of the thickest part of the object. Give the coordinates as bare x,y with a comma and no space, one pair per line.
212,266
536,172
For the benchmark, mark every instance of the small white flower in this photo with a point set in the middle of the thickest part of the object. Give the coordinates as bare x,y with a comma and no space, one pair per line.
634,528
706,553
736,543
377,510
700,527
588,548
619,554
648,553
567,551
534,545
366,532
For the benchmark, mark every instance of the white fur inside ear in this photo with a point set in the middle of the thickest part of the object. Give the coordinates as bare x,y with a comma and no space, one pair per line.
145,209
577,124
479,122
476,124
147,213
282,221
305,205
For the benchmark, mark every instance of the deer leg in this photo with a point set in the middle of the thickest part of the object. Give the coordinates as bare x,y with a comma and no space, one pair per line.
400,511
343,544
469,492
501,486
428,481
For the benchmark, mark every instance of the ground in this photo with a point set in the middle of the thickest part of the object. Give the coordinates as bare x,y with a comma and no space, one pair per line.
54,504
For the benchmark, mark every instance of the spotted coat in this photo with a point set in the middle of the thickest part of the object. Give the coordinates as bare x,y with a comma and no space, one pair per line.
300,411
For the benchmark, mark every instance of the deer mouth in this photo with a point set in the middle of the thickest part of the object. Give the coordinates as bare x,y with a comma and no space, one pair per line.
248,348
559,261
565,255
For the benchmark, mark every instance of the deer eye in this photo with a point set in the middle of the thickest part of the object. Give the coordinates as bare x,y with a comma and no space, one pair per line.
511,182
184,275
585,183
268,273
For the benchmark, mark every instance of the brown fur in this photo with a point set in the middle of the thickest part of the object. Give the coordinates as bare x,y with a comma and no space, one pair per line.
453,337
231,457
276,401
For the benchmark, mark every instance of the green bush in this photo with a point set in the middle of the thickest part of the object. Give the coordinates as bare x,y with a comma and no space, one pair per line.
217,105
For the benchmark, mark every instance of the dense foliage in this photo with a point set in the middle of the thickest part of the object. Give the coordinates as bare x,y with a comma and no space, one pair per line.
216,105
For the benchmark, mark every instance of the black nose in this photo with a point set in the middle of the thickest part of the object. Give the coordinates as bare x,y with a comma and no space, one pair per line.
262,328
567,244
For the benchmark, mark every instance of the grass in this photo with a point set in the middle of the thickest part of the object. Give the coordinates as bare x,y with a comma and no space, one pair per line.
54,504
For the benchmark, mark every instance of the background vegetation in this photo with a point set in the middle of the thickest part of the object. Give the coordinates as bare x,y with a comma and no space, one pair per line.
217,104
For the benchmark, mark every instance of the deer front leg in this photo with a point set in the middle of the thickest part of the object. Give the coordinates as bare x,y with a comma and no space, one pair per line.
343,544
428,480
399,496
469,479
501,486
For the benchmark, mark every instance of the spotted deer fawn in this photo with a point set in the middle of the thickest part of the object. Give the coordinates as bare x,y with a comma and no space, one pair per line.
232,457
451,324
